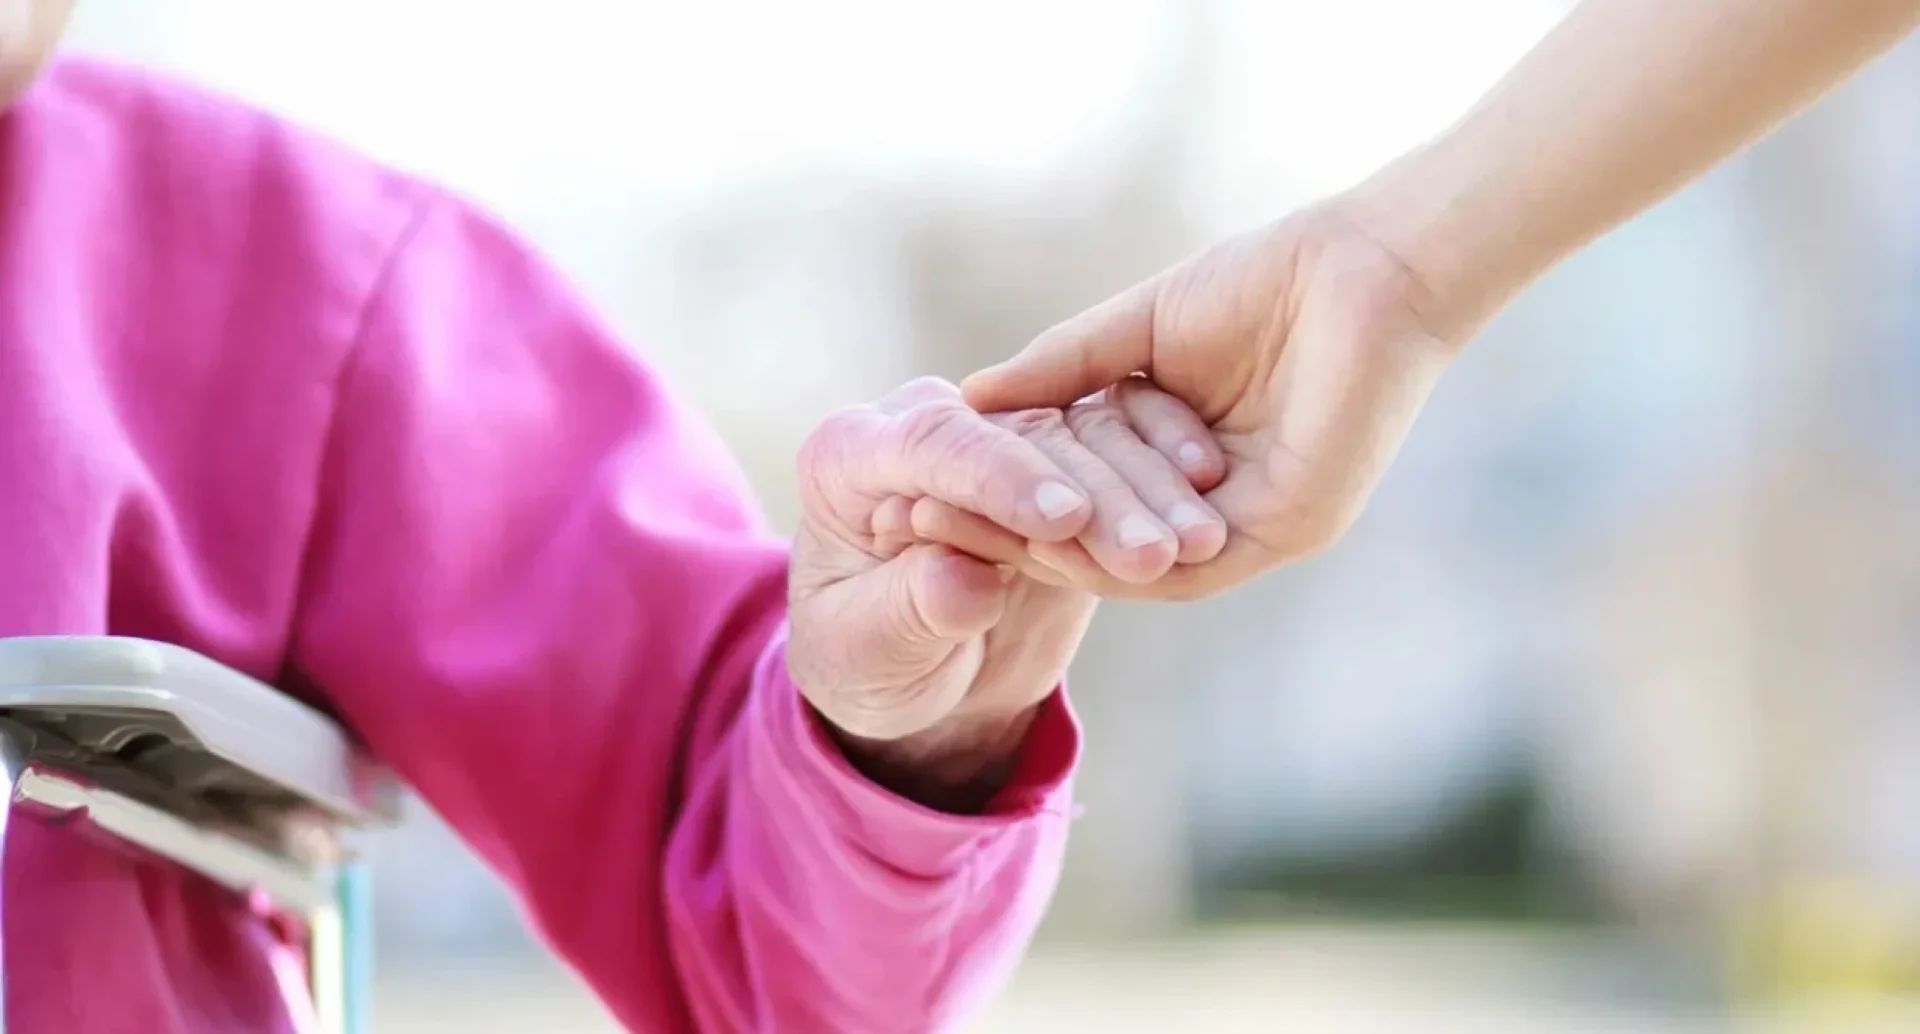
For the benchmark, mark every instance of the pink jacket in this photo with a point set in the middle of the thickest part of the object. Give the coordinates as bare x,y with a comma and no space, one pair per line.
264,399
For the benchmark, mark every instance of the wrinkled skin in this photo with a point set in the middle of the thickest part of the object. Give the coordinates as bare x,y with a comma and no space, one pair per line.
928,658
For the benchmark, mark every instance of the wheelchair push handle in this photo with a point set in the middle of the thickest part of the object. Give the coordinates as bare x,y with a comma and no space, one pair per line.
159,750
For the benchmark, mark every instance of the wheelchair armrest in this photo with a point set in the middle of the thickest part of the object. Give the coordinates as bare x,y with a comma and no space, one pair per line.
187,725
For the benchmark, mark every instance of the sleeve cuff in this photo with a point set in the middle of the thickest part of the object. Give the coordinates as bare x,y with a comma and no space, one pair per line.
795,741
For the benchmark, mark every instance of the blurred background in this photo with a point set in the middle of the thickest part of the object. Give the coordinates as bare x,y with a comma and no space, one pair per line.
1605,718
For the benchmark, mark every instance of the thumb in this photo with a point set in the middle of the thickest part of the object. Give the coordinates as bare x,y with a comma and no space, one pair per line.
1091,351
879,652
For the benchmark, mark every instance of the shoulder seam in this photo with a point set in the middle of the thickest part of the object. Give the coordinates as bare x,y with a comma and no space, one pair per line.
427,204
350,357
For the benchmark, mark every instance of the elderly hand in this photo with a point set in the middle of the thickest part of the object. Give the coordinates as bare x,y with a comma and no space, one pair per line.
1303,347
927,660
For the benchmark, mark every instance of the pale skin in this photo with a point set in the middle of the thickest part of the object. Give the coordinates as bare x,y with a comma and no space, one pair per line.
926,662
929,660
946,562
1309,345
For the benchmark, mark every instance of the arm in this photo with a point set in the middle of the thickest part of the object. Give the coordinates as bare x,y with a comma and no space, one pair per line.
1622,104
538,589
1310,344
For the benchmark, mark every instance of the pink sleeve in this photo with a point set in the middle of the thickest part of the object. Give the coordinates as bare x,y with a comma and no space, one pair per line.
538,589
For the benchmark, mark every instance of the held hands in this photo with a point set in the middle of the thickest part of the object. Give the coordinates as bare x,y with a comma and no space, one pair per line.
1306,348
1226,416
926,656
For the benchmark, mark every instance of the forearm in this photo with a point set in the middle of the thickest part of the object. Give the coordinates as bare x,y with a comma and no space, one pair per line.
802,896
1622,104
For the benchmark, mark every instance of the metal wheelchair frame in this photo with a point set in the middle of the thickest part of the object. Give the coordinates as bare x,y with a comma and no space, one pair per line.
162,751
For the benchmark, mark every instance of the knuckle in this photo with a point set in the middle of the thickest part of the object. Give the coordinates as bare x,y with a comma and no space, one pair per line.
829,436
935,426
930,386
821,454
922,391
1033,424
953,445
1096,418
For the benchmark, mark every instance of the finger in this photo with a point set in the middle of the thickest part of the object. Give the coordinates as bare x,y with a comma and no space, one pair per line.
1172,429
1069,563
923,521
1074,359
947,451
935,521
893,527
1072,564
1128,539
1105,431
919,392
887,657
939,594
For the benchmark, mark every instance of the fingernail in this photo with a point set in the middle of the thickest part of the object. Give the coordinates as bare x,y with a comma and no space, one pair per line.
1187,515
1136,531
1193,455
1056,500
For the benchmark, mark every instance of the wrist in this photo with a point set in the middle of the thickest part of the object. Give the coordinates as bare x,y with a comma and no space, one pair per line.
1429,209
957,765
